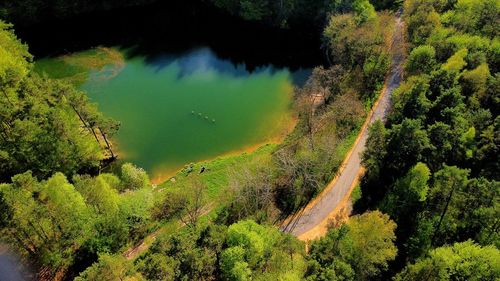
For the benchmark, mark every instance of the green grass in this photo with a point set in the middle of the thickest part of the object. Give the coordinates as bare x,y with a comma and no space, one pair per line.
356,194
218,172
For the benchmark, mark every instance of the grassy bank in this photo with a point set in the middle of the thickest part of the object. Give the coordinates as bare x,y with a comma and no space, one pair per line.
217,172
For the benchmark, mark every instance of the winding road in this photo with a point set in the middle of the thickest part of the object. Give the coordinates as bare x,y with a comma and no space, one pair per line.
312,221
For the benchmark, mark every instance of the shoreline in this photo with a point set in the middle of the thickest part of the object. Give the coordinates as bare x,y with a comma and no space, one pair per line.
157,180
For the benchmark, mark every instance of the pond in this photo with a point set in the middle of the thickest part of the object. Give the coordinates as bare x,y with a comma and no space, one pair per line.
187,82
192,107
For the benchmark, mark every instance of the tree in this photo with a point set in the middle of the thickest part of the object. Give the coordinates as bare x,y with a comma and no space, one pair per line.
135,209
195,202
134,177
488,150
110,222
158,267
337,270
408,141
372,243
233,264
189,254
411,101
373,160
253,10
422,59
374,71
40,127
374,154
110,268
476,17
171,206
456,62
421,19
366,244
253,195
386,4
474,83
98,193
462,261
256,251
447,183
408,195
363,10
49,220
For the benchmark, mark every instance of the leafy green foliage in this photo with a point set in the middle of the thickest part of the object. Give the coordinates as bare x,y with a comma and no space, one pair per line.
421,19
462,261
363,10
45,125
58,224
282,13
110,268
48,219
426,167
421,60
361,249
456,62
134,177
475,17
242,251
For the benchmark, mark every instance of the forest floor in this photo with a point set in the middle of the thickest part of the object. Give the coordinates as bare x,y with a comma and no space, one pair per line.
313,220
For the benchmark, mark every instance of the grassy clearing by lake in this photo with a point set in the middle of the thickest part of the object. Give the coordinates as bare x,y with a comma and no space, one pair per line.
218,172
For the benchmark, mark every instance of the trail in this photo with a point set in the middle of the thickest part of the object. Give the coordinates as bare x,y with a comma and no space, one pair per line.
312,221
144,244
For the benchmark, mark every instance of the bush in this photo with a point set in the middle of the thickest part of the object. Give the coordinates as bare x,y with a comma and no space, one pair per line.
134,177
422,59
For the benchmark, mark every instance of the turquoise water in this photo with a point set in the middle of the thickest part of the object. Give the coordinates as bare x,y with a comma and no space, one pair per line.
174,111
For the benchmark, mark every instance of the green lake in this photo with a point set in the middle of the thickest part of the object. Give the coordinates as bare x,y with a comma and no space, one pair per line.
183,109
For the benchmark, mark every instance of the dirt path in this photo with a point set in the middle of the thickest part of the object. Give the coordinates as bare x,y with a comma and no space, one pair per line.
144,244
312,221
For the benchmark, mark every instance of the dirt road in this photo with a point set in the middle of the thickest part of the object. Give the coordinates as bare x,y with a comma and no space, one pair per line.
312,221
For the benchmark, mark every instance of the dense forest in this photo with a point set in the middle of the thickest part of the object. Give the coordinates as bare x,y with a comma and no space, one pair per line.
280,13
427,208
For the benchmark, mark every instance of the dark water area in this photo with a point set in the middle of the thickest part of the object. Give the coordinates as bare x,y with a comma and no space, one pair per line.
11,268
175,27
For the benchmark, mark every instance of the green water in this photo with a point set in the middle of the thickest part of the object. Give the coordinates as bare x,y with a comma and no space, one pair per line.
174,111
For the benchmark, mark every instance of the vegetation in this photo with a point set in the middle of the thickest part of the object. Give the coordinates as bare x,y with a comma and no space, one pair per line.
59,224
434,166
286,12
427,207
466,260
359,249
280,13
54,128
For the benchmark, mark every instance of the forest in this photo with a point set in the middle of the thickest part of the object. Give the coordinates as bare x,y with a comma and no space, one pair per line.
427,206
